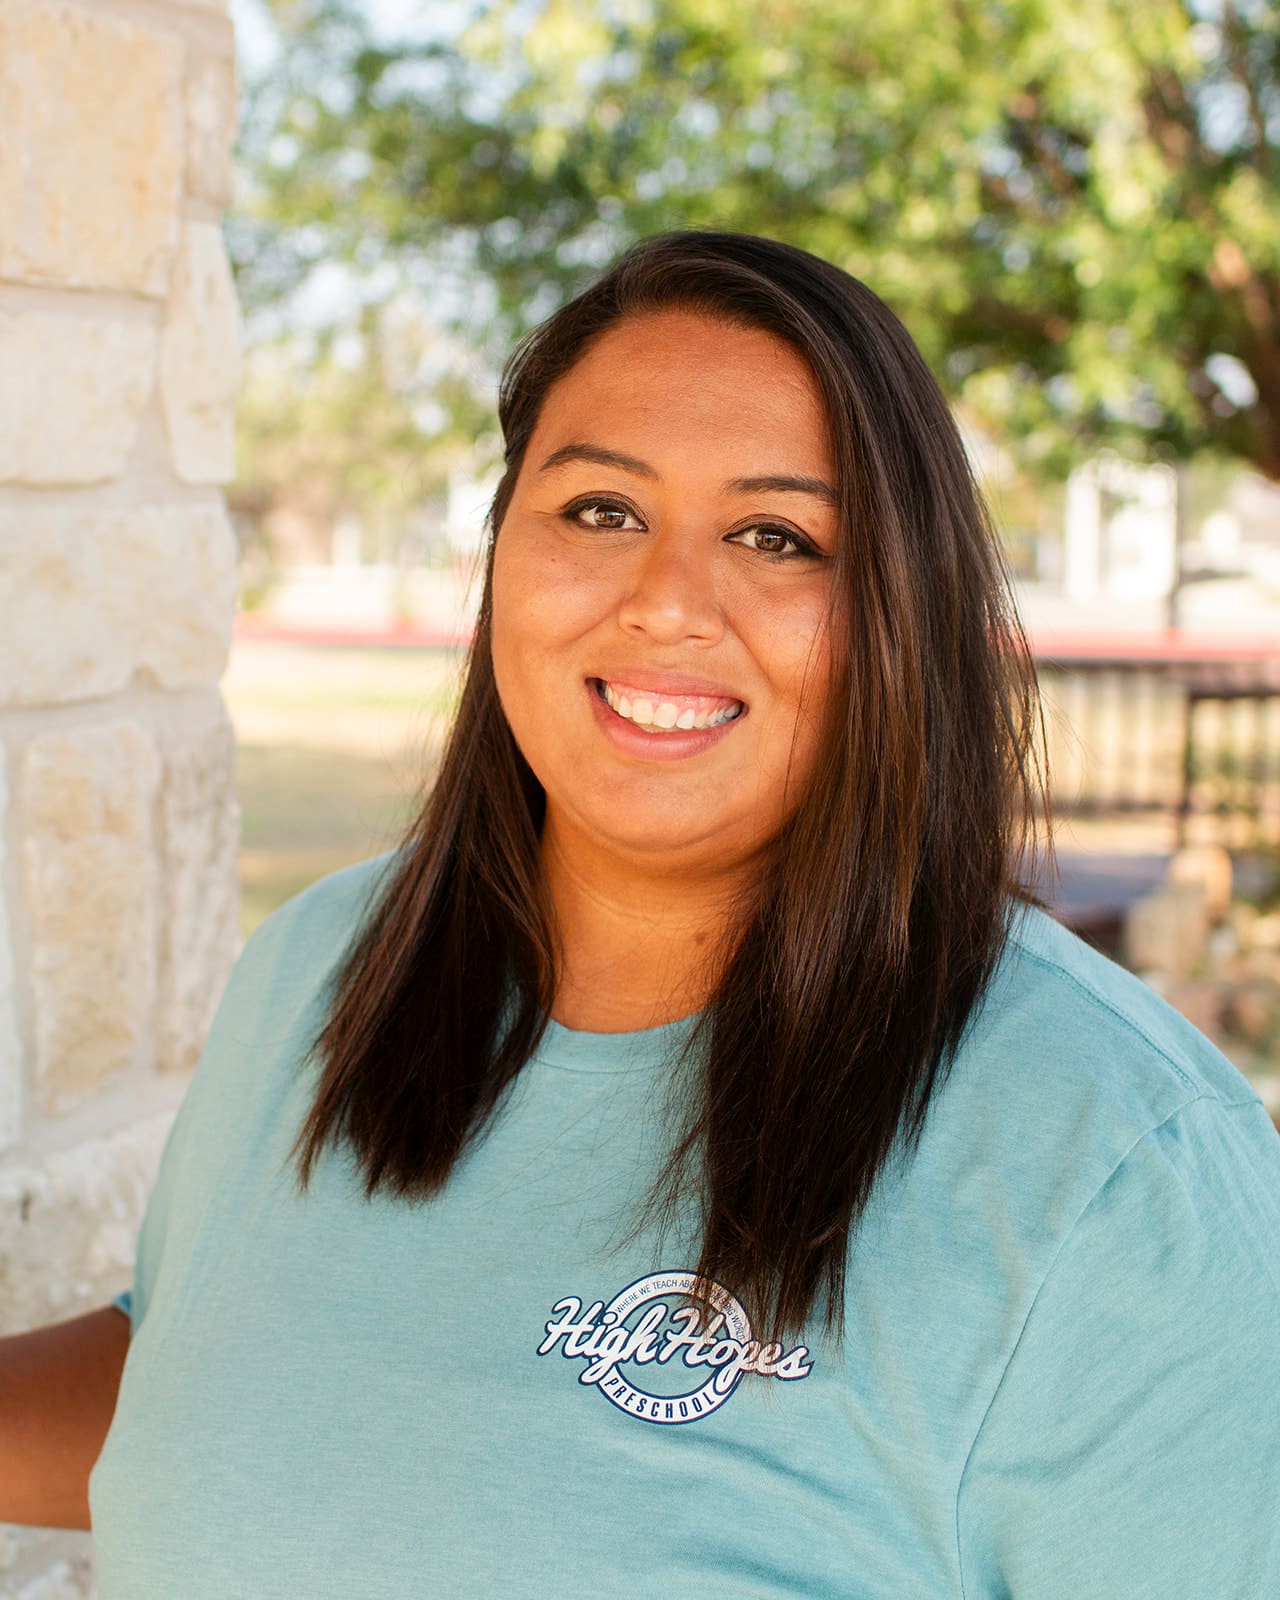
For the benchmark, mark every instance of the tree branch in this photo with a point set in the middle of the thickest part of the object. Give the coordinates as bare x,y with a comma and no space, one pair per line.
1032,325
1026,108
1172,123
1238,60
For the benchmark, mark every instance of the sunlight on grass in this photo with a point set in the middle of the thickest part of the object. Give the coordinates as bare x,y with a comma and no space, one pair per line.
336,745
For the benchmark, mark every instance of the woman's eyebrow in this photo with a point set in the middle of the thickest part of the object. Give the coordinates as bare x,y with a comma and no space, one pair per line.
782,484
599,457
778,483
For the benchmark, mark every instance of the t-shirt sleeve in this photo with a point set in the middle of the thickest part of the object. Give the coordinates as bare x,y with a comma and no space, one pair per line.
134,1301
278,974
1132,1446
192,1127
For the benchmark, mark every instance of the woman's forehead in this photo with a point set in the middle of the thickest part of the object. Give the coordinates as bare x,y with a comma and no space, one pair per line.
657,341
671,380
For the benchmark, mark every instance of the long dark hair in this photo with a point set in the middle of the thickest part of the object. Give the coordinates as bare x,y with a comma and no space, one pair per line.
876,922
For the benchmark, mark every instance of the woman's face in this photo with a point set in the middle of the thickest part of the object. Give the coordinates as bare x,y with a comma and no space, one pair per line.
660,592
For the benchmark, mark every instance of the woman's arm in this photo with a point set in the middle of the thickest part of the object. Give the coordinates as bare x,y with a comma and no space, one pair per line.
58,1388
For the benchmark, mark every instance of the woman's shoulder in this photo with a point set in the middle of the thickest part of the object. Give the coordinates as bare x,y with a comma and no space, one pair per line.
329,901
1072,1008
1073,1071
1123,1216
291,955
316,925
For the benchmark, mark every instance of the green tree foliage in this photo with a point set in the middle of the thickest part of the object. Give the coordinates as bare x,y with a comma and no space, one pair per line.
1073,205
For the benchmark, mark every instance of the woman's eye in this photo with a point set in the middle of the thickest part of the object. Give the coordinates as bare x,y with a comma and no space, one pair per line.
770,540
608,514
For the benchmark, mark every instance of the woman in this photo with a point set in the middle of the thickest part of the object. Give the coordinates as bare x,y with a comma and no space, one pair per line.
711,1171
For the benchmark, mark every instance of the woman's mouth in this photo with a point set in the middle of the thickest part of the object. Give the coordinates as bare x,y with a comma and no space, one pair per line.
657,713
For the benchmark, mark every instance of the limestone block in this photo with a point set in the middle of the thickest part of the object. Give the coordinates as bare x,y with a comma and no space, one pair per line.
68,1229
65,1578
1167,931
72,392
69,1220
200,906
200,359
92,893
211,129
91,158
92,596
10,1046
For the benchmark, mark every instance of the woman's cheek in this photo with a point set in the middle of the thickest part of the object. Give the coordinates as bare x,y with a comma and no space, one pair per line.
790,635
554,590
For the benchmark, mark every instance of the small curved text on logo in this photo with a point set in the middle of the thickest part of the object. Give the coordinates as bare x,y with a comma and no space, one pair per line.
607,1341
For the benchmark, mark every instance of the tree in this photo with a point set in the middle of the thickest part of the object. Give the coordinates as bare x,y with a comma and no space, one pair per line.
365,422
1072,205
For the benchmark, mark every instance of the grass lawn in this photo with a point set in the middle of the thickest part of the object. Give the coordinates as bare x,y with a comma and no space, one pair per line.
335,745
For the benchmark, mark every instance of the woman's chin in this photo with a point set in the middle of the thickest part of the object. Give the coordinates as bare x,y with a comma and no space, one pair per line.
653,835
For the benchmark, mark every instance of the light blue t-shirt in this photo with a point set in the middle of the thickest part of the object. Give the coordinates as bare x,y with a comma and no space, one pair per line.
1060,1376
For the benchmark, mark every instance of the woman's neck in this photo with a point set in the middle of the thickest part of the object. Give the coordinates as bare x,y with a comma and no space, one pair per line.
638,948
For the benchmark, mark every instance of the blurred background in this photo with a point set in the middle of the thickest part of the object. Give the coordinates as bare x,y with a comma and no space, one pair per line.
1072,206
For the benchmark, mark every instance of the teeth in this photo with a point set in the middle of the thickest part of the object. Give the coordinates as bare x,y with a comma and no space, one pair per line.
664,716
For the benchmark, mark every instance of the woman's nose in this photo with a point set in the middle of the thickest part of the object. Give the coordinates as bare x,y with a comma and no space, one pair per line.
672,593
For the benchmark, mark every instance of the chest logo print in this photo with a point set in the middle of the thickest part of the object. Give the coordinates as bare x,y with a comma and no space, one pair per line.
653,1362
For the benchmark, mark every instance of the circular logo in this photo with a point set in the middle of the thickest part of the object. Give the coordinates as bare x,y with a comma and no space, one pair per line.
663,1365
715,1352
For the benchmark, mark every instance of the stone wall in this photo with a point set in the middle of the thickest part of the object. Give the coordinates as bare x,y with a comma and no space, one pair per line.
119,362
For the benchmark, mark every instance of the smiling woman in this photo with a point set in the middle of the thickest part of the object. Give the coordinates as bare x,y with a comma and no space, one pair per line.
700,1044
661,642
